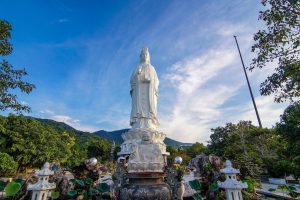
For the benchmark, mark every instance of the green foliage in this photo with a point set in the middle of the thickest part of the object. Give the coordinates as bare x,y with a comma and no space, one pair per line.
220,138
248,147
195,184
250,192
197,196
20,181
279,43
207,167
77,182
214,187
251,184
72,193
174,152
86,188
88,181
54,195
5,35
293,191
98,148
7,164
103,187
31,143
288,126
2,186
271,190
289,129
11,78
93,192
196,149
12,188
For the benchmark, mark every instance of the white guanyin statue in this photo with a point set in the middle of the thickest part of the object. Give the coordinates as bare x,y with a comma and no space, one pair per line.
144,94
143,143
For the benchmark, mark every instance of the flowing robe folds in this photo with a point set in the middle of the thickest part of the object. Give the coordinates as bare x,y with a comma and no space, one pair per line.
144,94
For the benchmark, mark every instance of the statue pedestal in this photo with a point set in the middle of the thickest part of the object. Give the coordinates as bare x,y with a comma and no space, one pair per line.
145,155
147,185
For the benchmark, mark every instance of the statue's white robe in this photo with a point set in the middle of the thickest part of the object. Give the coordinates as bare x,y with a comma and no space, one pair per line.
144,94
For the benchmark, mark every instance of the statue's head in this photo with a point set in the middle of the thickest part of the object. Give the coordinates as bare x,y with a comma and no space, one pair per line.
145,56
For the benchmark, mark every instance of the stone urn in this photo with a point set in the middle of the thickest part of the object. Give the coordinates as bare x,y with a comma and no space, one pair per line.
146,186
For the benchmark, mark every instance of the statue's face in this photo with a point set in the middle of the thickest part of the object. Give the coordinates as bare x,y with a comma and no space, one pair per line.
145,57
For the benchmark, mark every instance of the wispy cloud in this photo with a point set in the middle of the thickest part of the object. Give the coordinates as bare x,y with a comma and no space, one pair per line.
207,84
268,110
62,20
198,95
75,123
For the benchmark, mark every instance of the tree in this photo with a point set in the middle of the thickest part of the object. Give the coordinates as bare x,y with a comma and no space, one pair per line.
250,148
7,164
11,78
219,139
31,144
98,148
196,149
289,129
279,44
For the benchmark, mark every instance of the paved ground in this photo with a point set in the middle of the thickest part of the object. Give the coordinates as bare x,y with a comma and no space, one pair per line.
278,193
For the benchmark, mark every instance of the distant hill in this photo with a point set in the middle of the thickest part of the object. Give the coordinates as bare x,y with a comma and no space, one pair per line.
59,126
108,135
112,135
116,136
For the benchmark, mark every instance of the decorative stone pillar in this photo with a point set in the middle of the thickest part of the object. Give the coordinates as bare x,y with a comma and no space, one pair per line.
232,186
40,189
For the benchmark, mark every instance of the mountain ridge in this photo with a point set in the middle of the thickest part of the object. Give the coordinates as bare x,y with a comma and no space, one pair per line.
108,135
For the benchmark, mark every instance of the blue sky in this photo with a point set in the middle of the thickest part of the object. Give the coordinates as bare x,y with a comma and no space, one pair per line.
80,55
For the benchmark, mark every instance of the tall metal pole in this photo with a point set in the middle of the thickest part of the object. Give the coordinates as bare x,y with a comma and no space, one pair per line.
253,101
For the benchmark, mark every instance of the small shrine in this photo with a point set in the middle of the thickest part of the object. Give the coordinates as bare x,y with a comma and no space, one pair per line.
232,186
40,189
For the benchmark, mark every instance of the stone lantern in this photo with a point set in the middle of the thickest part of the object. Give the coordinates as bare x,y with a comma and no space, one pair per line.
232,186
41,188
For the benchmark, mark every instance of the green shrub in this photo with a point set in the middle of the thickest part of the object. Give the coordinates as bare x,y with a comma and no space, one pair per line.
7,165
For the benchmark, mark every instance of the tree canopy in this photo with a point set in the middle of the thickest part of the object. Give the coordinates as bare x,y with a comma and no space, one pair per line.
289,129
31,143
11,78
279,45
250,148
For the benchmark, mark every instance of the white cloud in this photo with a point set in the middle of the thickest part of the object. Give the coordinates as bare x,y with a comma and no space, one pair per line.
50,112
62,118
75,123
205,83
196,105
269,111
